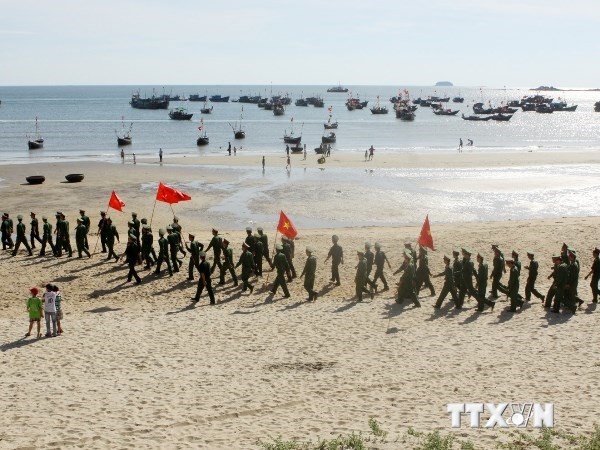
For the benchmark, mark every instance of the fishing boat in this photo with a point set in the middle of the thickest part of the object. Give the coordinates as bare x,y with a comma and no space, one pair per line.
297,148
290,138
219,99
318,102
238,131
278,109
597,107
301,101
476,118
329,138
154,102
562,106
501,117
35,142
321,149
544,108
458,99
337,88
124,138
378,109
206,109
329,125
180,114
445,112
405,114
197,98
203,138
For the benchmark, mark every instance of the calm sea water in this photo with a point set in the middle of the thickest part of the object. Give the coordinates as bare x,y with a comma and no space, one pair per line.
79,122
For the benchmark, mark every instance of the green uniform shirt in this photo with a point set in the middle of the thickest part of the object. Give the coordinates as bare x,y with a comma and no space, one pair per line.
173,240
147,240
20,230
513,282
258,249
216,244
228,253
361,272
561,275
195,251
265,242
47,227
80,232
247,262
163,248
310,269
85,221
280,262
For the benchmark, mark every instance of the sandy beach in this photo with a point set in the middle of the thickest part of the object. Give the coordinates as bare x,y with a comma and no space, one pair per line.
143,367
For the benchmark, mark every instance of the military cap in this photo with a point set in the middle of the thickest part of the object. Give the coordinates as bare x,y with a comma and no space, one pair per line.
44,218
259,229
175,218
248,228
278,247
465,250
246,245
215,230
310,249
360,251
556,257
202,254
510,260
225,241
407,244
597,250
481,255
169,228
530,252
145,227
32,213
514,252
446,258
455,252
284,237
191,235
256,236
20,217
131,222
161,231
58,213
79,219
82,210
62,215
367,245
377,245
144,221
134,214
494,245
335,238
102,213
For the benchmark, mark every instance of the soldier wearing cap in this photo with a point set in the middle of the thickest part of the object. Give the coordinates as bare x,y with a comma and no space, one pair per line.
34,233
457,270
5,228
595,274
287,251
466,286
481,275
59,239
204,281
195,248
497,270
103,230
573,283
449,287
228,264
552,289
163,253
515,257
423,272
80,234
111,235
406,287
173,240
380,260
564,253
144,221
247,262
360,279
85,220
147,246
258,254
370,257
265,241
136,226
310,270
513,286
47,236
132,257
249,239
281,265
336,253
532,268
65,235
21,237
216,243
131,231
177,229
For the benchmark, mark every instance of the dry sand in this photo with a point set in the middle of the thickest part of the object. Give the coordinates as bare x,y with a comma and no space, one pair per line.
141,367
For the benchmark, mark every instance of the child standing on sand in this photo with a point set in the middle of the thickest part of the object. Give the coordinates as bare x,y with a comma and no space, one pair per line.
58,303
34,307
50,310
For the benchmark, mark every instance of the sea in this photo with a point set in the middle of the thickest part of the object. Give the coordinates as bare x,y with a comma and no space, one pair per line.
81,122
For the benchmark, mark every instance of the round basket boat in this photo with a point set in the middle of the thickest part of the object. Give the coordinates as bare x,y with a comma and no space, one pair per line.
36,179
74,177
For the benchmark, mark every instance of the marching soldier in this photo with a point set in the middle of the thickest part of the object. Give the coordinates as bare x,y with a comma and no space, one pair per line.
423,272
59,240
64,233
103,230
177,229
336,253
163,253
195,248
258,254
147,247
144,221
21,238
360,279
515,256
406,287
466,286
228,264
513,286
457,271
216,244
132,257
136,226
497,270
34,234
204,280
111,235
481,275
532,268
131,231
310,270
85,220
281,265
572,293
5,228
47,237
380,260
80,234
247,262
595,274
449,287
413,254
249,239
370,257
265,240
10,229
287,251
173,240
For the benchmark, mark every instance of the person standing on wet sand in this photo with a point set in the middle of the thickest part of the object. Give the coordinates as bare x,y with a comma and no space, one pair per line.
371,153
263,162
160,153
336,254
122,156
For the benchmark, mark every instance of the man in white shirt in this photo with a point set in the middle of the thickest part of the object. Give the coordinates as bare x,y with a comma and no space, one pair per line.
49,299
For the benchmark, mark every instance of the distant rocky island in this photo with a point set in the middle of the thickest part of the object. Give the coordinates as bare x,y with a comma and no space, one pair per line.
444,83
552,88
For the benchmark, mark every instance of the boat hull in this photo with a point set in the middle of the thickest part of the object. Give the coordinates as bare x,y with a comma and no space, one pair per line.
201,141
123,141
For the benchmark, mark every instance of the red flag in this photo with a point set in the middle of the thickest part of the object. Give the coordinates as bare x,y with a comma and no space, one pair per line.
169,195
286,227
426,239
115,202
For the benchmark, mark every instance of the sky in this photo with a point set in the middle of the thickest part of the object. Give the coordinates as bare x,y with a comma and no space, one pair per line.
513,43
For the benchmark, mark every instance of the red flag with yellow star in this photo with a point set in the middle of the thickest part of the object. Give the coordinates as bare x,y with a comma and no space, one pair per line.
286,227
426,239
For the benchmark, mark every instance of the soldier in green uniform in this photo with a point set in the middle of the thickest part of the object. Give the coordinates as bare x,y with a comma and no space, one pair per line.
47,236
515,257
265,241
204,281
216,243
370,257
595,274
449,287
360,279
513,286
249,239
147,247
132,257
6,243
574,268
423,272
258,254
102,230
136,224
247,262
532,268
336,253
111,235
177,229
10,230
173,240
80,234
406,287
34,233
281,265
380,260
195,248
467,271
457,271
59,242
552,289
481,275
144,221
131,231
287,251
228,264
163,253
497,270
310,270
21,237
85,220
65,235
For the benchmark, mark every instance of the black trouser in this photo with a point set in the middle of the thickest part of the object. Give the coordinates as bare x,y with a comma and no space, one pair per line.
369,281
335,272
550,296
35,237
193,263
111,250
148,259
45,240
216,262
173,250
559,297
267,257
309,285
360,288
81,248
133,273
6,241
292,269
466,288
447,289
515,300
495,284
159,262
482,297
66,245
411,294
423,278
24,242
280,281
246,281
530,289
200,288
224,268
379,274
258,264
594,286
103,242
